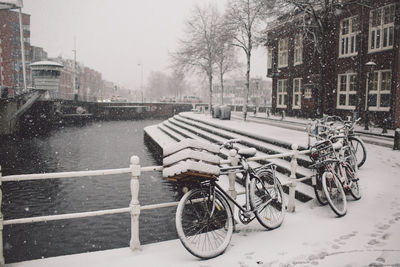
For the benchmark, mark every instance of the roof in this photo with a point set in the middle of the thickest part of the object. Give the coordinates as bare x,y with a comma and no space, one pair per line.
47,64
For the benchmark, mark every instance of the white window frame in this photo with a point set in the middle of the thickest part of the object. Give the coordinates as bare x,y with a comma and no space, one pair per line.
307,92
379,90
283,53
383,32
298,49
296,92
348,38
281,93
347,92
269,58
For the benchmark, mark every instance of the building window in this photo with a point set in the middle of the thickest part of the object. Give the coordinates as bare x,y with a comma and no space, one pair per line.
283,53
348,37
282,94
346,93
381,28
308,92
269,58
297,93
379,93
298,49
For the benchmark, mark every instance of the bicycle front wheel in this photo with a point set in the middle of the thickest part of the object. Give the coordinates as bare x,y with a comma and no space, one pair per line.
319,192
204,223
358,147
266,198
334,193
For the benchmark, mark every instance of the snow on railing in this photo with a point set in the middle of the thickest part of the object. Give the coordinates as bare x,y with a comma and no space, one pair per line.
134,206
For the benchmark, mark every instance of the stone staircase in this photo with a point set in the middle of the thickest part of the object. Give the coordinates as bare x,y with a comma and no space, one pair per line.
184,126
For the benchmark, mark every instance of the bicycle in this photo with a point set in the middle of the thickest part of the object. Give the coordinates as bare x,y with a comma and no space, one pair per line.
204,220
335,176
325,128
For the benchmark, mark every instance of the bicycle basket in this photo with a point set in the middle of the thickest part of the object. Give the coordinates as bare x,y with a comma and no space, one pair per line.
322,151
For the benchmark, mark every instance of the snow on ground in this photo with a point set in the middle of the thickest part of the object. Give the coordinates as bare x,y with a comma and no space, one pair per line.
369,235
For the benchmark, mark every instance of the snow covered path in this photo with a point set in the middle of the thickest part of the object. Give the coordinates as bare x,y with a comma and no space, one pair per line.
369,235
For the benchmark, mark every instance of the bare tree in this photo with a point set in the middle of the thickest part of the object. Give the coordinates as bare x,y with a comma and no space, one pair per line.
226,54
244,18
198,50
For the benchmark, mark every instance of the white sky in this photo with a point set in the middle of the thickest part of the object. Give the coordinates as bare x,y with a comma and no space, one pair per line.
114,36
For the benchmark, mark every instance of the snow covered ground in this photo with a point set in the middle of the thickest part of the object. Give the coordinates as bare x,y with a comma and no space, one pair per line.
369,235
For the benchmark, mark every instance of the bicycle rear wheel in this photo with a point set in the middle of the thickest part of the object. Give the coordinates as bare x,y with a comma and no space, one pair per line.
359,150
354,188
266,198
334,193
204,224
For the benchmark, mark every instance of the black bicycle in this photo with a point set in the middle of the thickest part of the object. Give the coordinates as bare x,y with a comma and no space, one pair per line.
204,219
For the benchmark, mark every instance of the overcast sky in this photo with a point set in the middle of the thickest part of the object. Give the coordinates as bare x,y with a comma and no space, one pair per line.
114,36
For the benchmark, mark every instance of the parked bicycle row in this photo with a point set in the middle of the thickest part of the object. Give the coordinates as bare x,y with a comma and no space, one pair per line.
204,217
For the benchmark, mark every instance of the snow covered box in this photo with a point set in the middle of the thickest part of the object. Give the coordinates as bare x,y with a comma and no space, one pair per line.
191,158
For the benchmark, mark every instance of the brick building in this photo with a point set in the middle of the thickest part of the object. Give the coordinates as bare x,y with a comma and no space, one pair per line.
361,32
12,75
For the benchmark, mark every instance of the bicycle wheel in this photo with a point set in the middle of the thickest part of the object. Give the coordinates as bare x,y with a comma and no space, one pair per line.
267,199
359,150
334,193
354,188
204,224
319,192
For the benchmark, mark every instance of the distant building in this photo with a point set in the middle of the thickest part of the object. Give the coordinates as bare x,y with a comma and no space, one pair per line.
38,54
234,92
12,75
363,31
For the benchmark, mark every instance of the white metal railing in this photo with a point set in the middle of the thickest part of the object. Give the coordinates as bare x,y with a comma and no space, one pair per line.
134,206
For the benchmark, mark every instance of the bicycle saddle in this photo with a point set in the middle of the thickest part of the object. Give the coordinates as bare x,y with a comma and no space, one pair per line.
247,152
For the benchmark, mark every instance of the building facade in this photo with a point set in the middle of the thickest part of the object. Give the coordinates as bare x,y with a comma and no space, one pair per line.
361,76
12,74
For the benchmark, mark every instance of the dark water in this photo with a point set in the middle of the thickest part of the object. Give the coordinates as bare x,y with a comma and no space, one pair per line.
100,145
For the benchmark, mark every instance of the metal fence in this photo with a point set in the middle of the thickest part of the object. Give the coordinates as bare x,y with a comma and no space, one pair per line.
134,207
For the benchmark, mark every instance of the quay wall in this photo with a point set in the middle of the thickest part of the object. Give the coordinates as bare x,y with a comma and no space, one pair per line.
45,115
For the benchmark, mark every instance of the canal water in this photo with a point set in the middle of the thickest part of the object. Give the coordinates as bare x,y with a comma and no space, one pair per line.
99,145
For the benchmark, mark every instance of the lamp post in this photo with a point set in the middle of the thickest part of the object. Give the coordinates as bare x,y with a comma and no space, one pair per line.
370,66
141,79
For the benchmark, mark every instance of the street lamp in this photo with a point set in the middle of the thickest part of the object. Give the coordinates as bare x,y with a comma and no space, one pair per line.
141,79
370,66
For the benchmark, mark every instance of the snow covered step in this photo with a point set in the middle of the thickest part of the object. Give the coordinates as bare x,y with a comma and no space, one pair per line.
177,137
250,141
158,136
282,163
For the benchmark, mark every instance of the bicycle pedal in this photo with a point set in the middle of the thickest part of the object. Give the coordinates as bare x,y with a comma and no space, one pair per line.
355,179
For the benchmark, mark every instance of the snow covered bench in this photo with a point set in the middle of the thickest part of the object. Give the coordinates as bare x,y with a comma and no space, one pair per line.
191,158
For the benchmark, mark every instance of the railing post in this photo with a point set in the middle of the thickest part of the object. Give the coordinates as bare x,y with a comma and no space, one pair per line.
292,186
2,262
134,205
232,178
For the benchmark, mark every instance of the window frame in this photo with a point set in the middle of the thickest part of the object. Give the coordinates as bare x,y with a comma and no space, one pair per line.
283,52
347,92
296,93
269,58
345,39
382,28
298,49
379,92
281,91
